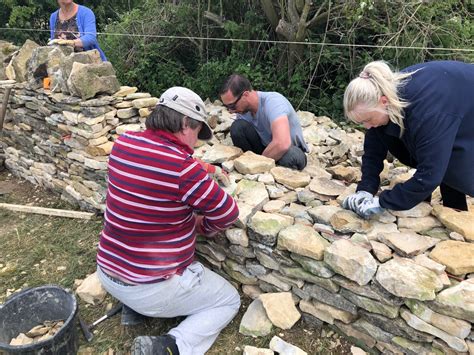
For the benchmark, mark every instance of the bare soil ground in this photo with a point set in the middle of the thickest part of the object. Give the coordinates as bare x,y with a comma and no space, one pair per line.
38,250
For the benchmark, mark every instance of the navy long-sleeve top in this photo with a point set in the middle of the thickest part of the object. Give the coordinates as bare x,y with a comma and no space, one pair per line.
439,135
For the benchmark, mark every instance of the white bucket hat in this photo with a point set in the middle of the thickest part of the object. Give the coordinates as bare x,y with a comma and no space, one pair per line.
188,103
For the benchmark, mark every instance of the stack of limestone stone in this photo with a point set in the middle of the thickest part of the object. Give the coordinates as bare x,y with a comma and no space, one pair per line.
401,283
60,137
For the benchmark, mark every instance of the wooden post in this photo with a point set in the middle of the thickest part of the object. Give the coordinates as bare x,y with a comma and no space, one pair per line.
3,110
47,211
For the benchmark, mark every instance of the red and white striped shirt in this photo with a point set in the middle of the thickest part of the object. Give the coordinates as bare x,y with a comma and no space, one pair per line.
154,188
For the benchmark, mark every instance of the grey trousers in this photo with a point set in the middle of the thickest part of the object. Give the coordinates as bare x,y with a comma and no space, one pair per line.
208,300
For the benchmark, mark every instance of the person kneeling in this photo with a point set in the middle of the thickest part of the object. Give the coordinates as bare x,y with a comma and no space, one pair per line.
158,198
266,123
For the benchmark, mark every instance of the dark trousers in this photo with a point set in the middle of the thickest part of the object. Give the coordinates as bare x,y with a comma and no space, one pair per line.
451,197
245,136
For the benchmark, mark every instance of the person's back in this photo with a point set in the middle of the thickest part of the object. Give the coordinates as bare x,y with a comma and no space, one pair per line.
151,189
430,88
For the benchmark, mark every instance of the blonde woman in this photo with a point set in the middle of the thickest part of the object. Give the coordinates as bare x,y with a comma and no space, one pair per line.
424,116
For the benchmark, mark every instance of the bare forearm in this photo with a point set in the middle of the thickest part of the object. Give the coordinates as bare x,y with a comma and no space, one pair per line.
275,150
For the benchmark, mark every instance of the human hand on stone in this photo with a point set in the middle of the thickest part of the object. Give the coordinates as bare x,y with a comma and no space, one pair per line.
216,173
352,201
220,176
369,207
62,42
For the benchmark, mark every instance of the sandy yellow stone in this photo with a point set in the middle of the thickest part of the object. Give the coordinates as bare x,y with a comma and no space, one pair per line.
457,256
459,221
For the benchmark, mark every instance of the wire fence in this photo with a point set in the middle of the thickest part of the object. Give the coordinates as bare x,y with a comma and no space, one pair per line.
243,40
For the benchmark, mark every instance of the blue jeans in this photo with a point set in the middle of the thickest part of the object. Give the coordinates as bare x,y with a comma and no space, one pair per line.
207,299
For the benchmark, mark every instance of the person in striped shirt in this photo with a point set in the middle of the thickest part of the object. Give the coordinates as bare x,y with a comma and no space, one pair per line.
158,198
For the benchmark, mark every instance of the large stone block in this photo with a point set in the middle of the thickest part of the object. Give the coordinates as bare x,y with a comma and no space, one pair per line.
290,177
303,240
404,278
264,227
20,60
280,309
350,260
457,256
459,221
251,163
87,80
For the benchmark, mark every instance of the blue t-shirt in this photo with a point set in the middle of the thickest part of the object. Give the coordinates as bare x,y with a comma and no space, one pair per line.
272,105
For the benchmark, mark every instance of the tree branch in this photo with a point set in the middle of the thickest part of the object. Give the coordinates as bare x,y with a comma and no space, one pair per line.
214,18
321,18
270,13
293,12
301,31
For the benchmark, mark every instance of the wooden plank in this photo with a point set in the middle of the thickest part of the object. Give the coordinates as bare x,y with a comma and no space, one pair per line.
47,211
3,109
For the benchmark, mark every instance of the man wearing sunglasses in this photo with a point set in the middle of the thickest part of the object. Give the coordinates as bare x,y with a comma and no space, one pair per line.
266,123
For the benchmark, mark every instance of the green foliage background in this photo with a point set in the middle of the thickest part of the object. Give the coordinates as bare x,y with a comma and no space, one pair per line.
203,52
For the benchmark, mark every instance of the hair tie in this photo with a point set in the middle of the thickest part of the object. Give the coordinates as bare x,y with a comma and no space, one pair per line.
365,75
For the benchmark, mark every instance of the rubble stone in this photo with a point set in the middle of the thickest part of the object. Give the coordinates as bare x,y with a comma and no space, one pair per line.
351,261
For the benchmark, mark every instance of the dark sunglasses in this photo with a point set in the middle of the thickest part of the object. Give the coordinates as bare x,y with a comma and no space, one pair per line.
233,105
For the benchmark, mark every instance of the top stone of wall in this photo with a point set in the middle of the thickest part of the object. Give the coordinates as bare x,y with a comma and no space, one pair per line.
81,74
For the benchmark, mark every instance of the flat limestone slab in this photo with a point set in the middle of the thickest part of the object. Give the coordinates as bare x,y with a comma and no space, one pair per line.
327,187
289,177
302,240
280,309
408,244
461,222
457,256
255,321
423,209
251,163
404,278
457,301
220,153
351,260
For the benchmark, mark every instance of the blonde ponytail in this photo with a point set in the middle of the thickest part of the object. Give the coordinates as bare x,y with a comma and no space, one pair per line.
376,80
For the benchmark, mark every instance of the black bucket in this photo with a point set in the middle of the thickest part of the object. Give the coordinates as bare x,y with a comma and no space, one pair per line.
31,307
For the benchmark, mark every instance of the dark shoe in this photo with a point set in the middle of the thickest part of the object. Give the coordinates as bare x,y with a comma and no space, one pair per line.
156,345
130,317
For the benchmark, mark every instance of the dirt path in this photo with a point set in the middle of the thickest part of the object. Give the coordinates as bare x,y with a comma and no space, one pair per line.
39,250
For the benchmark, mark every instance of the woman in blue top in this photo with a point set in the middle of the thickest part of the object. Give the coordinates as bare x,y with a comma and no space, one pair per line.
424,116
74,25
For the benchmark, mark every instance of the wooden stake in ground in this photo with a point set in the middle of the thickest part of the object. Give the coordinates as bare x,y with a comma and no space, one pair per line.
47,211
3,109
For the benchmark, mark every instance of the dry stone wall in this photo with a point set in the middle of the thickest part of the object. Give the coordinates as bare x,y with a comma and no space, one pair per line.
400,283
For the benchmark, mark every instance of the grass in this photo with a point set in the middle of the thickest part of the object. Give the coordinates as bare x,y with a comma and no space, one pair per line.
38,250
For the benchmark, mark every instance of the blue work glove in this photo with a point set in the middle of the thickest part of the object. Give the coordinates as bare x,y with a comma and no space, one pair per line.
352,201
369,207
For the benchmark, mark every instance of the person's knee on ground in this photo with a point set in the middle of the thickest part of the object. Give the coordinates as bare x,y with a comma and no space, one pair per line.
244,136
294,158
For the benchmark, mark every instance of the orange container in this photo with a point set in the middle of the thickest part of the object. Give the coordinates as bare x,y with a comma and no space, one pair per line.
46,83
